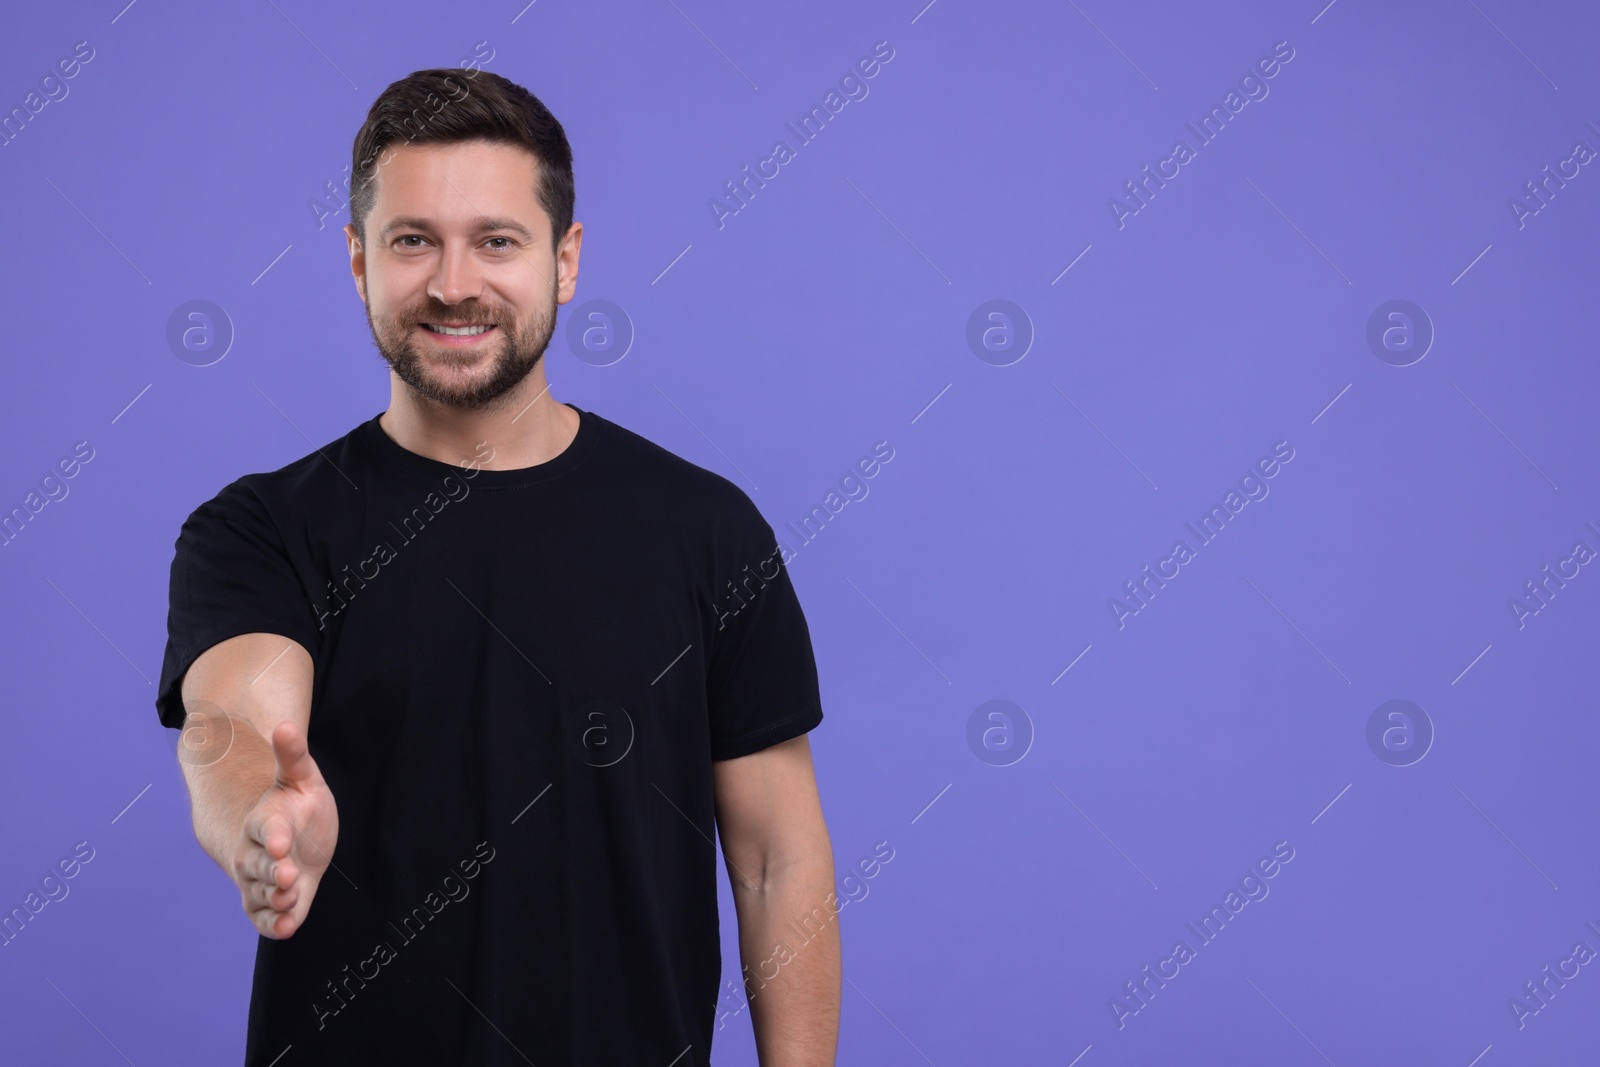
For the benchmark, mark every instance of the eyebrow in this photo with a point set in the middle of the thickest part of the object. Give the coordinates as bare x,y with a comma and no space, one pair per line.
413,222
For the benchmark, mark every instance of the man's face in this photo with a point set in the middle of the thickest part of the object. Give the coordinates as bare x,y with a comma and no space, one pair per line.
457,240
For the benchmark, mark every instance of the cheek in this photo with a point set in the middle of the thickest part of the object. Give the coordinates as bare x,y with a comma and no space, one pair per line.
400,311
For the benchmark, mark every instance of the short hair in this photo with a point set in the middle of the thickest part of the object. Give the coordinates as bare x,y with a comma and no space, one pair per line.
446,105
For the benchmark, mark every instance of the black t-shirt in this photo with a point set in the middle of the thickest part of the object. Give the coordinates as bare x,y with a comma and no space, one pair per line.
522,679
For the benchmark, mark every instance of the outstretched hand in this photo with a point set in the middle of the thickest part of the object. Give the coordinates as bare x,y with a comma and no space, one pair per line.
288,839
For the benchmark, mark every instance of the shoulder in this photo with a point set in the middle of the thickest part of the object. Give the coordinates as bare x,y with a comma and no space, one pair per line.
668,482
272,497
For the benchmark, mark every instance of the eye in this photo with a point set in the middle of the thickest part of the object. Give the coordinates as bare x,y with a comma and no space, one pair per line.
409,237
503,247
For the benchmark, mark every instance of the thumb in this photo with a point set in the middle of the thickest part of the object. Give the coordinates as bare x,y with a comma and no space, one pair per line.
293,757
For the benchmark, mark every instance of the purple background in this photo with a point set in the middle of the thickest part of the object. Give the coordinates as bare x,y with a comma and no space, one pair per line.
828,314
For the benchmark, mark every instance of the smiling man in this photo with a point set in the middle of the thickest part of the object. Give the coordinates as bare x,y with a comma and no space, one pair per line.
466,763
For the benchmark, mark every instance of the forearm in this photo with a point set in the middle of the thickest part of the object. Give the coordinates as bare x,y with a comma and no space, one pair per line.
789,945
222,791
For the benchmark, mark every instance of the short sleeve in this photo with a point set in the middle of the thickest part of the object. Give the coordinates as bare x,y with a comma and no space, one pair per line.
230,575
762,673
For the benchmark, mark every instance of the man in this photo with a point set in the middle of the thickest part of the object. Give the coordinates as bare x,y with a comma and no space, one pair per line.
466,690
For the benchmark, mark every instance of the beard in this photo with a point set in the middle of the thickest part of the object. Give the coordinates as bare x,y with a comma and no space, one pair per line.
441,374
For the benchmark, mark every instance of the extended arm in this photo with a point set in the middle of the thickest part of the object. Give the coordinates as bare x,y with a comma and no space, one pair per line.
260,807
780,862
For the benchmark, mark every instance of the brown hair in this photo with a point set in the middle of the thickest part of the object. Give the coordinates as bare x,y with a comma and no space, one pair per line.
445,105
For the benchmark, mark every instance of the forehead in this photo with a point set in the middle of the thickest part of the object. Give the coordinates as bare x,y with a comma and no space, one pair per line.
457,184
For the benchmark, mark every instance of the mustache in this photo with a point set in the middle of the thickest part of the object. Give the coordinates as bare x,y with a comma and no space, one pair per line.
470,317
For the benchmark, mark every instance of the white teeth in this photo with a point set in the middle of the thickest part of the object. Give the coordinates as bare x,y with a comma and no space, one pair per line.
452,331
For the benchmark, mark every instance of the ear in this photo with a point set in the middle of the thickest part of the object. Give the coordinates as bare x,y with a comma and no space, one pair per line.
567,263
358,259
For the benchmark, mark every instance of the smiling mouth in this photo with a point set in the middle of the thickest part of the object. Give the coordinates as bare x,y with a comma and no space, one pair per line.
470,330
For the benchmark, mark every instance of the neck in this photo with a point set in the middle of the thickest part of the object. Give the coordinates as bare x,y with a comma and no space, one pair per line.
525,427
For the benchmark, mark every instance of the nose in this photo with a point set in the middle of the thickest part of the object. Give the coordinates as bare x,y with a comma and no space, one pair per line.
457,276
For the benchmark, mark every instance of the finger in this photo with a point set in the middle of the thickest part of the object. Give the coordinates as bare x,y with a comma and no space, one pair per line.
259,868
254,866
257,864
272,923
281,874
293,756
267,895
274,833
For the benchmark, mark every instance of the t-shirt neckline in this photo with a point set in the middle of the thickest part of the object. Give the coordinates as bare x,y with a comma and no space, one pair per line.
373,436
